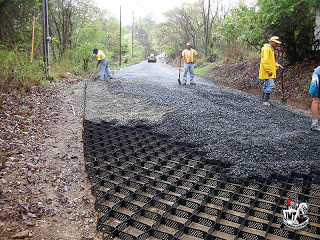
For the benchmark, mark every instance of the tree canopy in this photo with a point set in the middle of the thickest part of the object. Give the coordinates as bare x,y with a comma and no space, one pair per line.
241,28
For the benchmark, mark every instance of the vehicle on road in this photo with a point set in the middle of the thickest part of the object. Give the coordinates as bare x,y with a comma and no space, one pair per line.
152,58
163,57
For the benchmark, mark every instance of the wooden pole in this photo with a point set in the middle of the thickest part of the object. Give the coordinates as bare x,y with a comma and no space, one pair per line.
32,41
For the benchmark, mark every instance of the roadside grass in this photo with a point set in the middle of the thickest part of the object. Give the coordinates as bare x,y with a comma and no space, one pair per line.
17,72
202,68
117,67
126,63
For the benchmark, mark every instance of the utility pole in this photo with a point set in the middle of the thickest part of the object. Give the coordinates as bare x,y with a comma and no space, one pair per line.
120,40
207,30
132,33
46,38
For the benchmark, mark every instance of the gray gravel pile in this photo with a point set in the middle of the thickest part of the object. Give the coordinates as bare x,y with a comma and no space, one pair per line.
230,125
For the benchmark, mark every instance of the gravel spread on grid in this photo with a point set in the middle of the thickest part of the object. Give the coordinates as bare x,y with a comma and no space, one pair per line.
230,125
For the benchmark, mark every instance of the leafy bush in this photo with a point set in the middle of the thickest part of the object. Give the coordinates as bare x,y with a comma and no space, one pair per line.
293,21
126,59
89,36
16,70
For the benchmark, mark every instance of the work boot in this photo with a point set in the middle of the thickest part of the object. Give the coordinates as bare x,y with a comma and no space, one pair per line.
315,127
266,99
192,83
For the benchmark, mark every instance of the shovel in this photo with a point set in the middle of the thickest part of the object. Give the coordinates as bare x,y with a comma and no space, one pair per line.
95,76
283,100
179,81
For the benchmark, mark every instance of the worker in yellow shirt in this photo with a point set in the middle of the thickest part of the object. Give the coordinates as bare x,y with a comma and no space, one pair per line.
104,63
268,68
190,57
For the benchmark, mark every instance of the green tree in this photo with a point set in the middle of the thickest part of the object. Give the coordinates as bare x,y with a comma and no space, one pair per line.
89,36
293,21
143,34
237,33
66,17
183,24
16,71
16,21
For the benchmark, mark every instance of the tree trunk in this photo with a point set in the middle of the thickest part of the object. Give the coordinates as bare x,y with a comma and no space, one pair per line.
317,30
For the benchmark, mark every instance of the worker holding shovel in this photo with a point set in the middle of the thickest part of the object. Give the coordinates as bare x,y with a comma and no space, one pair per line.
104,64
190,57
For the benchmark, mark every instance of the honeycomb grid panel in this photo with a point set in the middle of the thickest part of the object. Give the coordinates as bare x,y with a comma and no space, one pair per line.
149,187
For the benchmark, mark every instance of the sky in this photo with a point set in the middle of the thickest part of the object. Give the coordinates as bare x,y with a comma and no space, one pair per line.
141,8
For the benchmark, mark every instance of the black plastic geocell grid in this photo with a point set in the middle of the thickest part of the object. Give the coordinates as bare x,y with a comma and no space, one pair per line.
148,187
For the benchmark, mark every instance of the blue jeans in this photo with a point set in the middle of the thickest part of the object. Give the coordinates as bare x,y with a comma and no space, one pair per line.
104,67
268,85
190,67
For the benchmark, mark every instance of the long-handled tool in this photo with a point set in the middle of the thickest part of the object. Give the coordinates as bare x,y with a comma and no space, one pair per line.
95,75
179,81
283,100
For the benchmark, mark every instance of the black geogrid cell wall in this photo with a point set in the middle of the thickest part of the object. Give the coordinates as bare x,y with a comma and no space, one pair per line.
148,187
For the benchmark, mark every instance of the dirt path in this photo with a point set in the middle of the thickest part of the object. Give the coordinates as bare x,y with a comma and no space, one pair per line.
44,191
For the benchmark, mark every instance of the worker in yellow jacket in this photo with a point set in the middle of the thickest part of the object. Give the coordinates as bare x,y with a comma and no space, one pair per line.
268,68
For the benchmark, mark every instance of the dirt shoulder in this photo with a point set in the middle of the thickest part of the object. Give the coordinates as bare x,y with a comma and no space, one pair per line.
44,192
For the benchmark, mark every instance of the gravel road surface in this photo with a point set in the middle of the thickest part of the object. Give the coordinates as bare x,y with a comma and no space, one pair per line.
230,125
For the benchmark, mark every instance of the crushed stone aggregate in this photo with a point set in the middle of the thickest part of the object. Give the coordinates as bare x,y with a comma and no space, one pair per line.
230,125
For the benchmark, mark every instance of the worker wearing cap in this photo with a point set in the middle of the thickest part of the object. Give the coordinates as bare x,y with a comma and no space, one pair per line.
104,63
268,68
190,57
